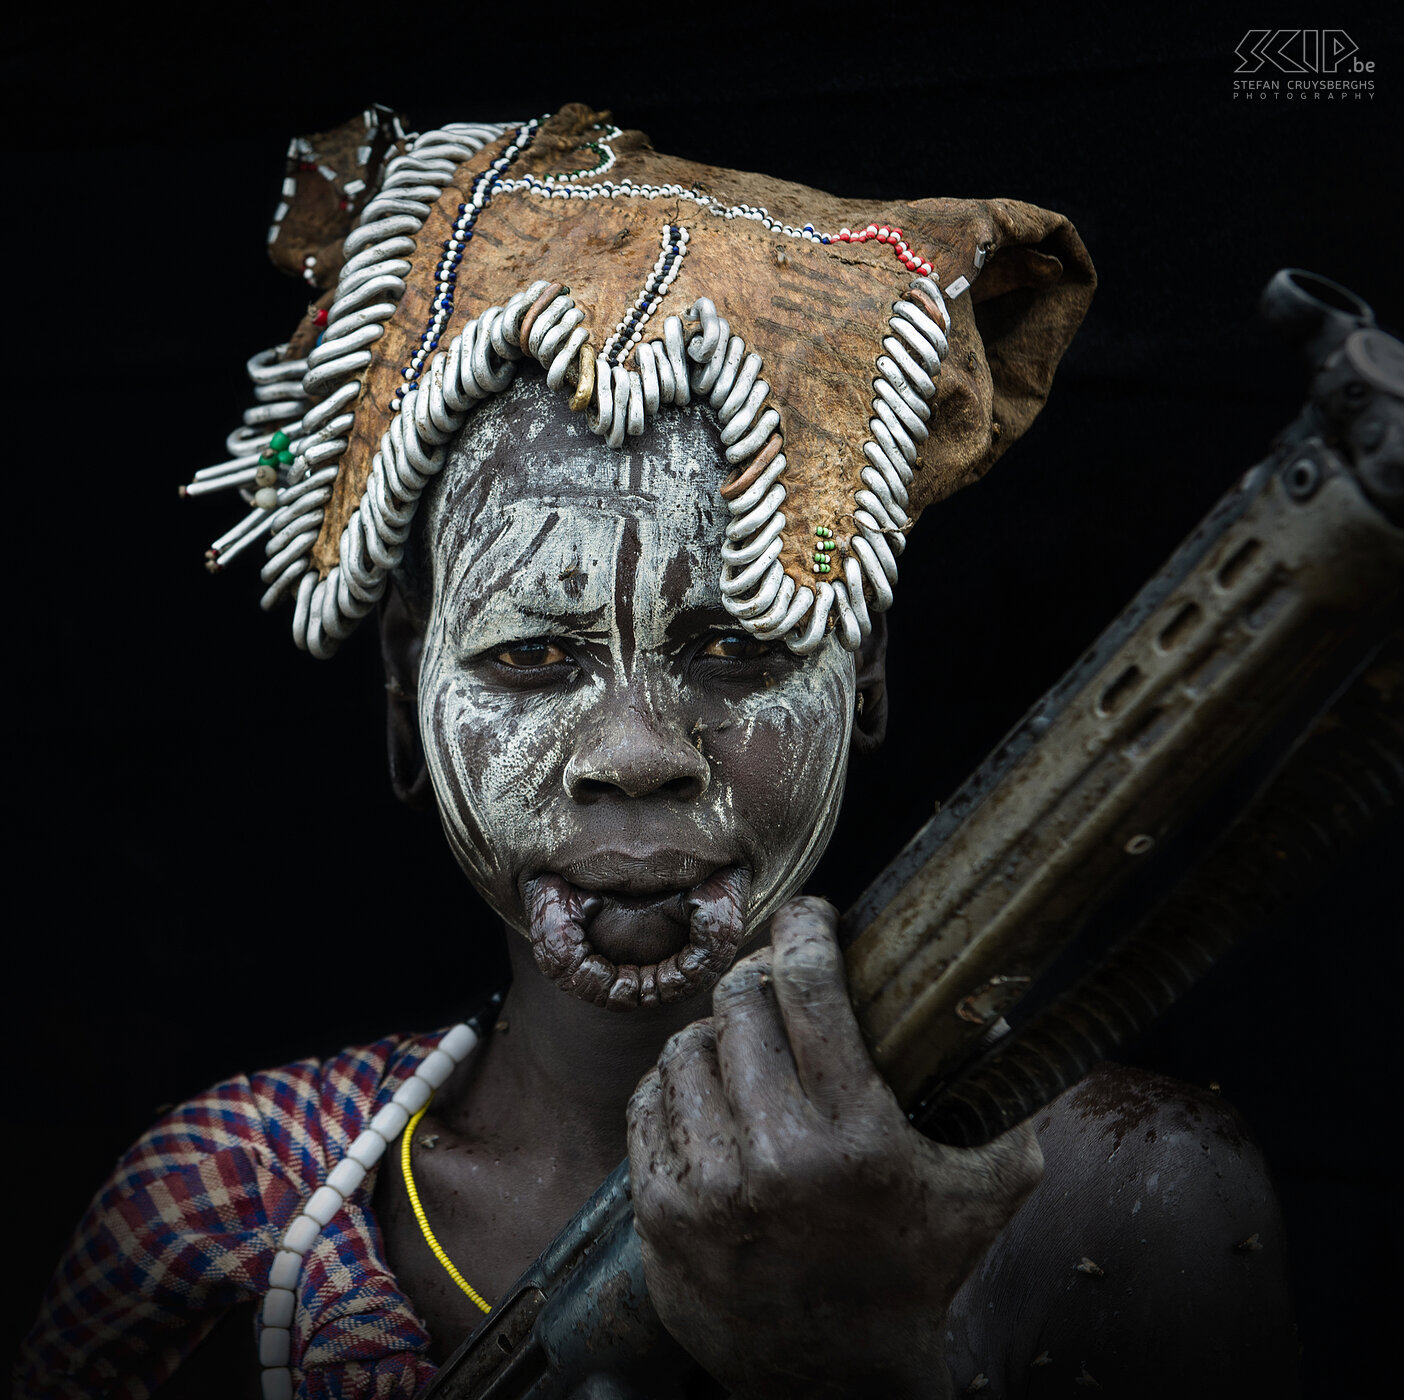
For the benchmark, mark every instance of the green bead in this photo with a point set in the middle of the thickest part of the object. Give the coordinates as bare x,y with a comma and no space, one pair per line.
279,440
285,457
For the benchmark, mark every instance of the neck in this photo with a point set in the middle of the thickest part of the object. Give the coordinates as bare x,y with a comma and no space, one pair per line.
560,1070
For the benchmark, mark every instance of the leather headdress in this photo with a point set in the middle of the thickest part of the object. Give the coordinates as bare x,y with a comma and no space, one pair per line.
863,360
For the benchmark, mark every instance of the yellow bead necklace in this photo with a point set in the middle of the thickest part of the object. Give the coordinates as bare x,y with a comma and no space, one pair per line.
419,1215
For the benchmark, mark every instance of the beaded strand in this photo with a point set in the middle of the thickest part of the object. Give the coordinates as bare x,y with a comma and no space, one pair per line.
485,185
629,331
344,1180
555,187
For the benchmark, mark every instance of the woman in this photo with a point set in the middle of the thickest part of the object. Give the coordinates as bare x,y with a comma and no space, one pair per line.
633,678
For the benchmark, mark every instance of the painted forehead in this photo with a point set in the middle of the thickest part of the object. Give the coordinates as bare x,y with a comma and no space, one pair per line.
534,521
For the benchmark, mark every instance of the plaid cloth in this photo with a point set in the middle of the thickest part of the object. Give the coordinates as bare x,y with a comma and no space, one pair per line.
187,1227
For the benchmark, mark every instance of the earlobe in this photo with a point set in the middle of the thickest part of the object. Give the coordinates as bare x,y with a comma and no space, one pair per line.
870,709
401,645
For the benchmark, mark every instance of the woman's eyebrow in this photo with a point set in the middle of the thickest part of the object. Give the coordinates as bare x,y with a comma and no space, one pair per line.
687,623
508,619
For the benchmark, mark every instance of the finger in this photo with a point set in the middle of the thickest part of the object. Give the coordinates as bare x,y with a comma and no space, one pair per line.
652,1167
1009,1166
700,1129
694,1102
807,975
753,1056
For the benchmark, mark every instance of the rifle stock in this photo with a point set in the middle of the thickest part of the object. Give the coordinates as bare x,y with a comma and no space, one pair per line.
1148,789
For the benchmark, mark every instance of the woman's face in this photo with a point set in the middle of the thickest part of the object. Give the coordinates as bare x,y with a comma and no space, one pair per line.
629,779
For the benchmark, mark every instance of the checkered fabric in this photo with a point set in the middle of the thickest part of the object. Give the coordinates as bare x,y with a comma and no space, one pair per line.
187,1227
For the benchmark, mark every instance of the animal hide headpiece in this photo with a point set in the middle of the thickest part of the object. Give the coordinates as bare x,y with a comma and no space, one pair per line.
862,360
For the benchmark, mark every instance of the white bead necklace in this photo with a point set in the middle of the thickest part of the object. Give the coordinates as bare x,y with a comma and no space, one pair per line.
347,1177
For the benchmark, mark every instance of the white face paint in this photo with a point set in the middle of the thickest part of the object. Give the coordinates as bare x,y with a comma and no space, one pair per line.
615,761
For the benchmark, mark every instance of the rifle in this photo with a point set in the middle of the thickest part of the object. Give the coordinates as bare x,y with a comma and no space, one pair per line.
1219,746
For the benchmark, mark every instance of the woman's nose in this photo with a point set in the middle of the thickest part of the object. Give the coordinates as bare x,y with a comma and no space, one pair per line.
634,751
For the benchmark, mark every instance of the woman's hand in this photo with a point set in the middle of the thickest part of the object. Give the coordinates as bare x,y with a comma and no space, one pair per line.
799,1236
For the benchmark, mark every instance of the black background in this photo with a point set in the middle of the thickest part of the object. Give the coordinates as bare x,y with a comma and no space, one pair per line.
211,874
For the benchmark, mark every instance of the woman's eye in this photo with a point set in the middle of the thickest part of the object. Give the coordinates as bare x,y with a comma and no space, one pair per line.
524,655
735,646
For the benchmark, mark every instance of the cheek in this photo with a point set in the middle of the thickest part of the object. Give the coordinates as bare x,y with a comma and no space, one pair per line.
781,753
496,761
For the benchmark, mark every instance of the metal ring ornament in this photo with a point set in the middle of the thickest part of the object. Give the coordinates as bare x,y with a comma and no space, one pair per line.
735,555
890,406
620,421
763,599
557,335
731,362
933,333
391,249
489,380
853,573
648,376
850,634
740,389
752,574
565,357
704,344
814,633
743,525
516,307
266,368
922,348
800,604
898,383
667,392
915,375
677,359
601,413
383,286
745,416
755,439
751,497
706,372
561,305
378,230
761,625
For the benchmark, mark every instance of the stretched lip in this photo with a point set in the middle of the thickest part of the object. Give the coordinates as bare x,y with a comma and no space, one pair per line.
659,870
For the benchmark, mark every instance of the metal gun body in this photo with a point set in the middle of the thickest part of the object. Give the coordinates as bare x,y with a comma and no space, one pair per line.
1190,702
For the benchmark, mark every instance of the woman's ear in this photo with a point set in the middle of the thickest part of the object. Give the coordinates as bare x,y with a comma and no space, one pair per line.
870,709
401,644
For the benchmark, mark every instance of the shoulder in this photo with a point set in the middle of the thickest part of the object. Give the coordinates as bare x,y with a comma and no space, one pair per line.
185,1227
1150,1258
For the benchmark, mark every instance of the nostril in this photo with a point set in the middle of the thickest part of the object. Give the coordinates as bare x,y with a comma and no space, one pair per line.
682,789
590,790
636,760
